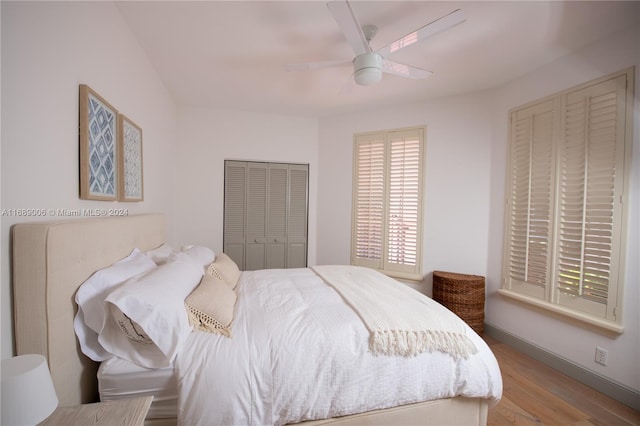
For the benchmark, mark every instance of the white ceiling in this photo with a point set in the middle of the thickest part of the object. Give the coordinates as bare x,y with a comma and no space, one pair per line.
232,54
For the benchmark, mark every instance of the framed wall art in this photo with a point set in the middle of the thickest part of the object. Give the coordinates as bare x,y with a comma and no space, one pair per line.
130,160
98,147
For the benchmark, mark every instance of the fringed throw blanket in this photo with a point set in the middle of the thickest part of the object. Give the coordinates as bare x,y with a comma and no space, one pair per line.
401,320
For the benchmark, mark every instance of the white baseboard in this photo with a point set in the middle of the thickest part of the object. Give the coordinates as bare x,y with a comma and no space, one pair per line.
617,391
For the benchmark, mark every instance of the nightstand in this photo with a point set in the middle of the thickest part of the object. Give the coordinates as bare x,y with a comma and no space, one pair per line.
130,412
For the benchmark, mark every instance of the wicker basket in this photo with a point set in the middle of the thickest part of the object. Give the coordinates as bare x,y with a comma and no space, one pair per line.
463,295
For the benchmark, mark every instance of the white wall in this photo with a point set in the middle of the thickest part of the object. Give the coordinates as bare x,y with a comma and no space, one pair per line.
456,205
48,49
567,339
207,138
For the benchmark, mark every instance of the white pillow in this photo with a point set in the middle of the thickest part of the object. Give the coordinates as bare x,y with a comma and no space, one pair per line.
91,295
88,340
160,254
146,320
202,255
164,253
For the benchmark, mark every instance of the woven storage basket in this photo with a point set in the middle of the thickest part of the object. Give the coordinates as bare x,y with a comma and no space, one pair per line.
463,295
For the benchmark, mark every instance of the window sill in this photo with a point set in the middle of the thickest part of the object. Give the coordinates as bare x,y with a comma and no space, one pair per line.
600,323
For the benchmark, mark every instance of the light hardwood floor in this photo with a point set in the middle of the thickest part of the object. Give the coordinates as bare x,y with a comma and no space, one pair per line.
536,394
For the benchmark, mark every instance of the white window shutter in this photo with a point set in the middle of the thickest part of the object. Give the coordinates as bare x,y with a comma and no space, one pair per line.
564,235
530,203
387,201
404,200
590,163
369,202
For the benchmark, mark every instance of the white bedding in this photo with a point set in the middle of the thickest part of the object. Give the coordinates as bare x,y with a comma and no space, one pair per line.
119,379
299,352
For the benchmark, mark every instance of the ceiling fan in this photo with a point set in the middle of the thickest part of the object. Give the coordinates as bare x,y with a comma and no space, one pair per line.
368,65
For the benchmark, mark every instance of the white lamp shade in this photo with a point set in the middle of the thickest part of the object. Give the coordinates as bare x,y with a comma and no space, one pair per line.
28,394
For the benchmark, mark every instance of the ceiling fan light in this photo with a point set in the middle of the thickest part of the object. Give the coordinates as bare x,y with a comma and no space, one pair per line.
367,69
368,76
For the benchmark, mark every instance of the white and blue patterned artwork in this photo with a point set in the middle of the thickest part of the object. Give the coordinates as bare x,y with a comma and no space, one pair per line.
102,149
132,160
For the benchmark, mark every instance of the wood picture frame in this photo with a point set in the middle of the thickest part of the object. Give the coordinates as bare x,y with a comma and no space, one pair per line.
130,182
98,147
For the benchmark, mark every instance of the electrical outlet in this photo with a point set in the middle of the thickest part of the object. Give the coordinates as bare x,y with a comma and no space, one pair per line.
601,356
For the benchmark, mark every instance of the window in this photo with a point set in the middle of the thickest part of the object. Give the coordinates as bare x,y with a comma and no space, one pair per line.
564,236
387,201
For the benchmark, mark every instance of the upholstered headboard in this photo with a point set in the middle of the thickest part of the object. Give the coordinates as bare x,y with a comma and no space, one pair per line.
50,261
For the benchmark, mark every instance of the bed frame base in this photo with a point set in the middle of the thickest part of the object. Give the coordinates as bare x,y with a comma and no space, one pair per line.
441,412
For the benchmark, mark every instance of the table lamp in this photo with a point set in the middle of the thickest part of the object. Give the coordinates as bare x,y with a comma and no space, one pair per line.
28,395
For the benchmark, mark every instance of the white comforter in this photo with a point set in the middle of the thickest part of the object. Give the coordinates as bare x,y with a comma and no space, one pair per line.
299,352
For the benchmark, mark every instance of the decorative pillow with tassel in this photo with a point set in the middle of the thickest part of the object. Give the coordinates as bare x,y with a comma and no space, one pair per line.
226,269
210,306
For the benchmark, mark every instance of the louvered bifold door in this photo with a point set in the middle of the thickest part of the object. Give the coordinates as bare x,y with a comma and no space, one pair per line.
530,199
256,217
235,210
368,194
404,187
591,163
277,216
297,217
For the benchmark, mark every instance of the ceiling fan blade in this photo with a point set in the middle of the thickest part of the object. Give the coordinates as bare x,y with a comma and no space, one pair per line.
403,70
441,24
305,66
342,13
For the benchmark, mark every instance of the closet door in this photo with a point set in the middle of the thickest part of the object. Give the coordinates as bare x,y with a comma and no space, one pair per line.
277,216
297,217
235,210
265,214
256,216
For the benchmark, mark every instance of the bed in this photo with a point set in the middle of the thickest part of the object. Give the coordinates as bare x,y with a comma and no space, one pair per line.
51,260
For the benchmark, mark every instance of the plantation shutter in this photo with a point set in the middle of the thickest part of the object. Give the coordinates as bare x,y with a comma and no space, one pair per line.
564,236
591,161
369,201
530,202
404,195
387,201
